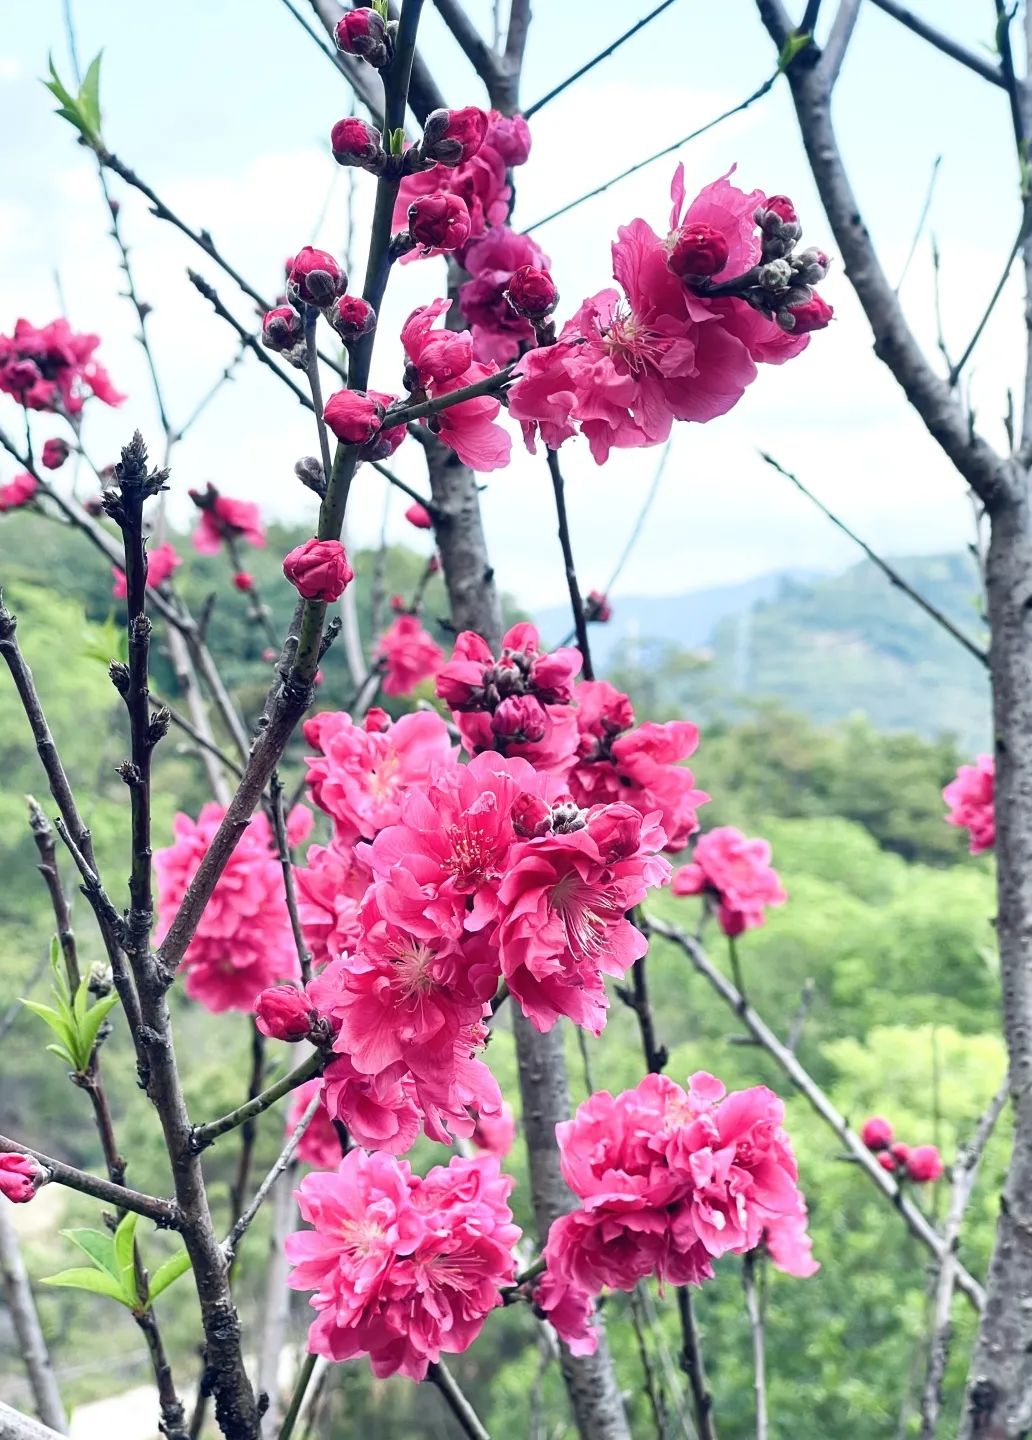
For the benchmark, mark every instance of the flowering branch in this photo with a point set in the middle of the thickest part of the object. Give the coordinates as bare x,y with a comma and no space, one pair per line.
247,340
489,385
205,1135
164,1213
889,571
914,1218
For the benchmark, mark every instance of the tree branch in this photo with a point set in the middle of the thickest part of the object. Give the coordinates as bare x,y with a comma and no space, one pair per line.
205,1135
940,41
580,623
21,1303
610,49
164,1213
468,1420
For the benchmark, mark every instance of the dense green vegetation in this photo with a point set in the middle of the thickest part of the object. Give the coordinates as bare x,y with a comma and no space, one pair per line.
888,917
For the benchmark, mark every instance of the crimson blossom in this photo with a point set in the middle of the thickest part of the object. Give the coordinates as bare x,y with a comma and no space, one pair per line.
408,655
404,1269
736,873
223,519
669,1181
19,492
243,942
53,368
443,362
970,798
631,361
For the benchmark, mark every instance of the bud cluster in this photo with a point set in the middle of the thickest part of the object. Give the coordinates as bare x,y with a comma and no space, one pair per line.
315,281
918,1163
780,285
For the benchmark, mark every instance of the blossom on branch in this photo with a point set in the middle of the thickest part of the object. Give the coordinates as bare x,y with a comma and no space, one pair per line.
20,1177
404,1268
53,368
736,873
408,654
222,519
443,362
499,330
18,493
319,570
970,798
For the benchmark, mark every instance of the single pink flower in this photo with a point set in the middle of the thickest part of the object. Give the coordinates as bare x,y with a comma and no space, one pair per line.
970,798
499,331
924,1164
319,570
444,363
222,518
409,656
737,873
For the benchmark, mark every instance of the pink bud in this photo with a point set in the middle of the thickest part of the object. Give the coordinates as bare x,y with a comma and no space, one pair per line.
20,1177
531,817
355,142
353,416
814,314
531,292
315,278
520,719
876,1133
283,1013
900,1152
886,1160
783,208
419,516
282,329
352,317
598,608
243,580
363,33
616,830
451,137
924,1164
439,221
377,721
55,453
319,570
697,251
552,675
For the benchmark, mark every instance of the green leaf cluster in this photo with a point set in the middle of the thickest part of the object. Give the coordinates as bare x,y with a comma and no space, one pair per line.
72,1018
114,1268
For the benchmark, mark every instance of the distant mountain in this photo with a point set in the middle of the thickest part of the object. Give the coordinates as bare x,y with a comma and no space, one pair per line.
687,620
824,646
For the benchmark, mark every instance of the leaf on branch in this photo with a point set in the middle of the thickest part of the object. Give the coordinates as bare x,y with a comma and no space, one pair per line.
99,1245
74,1021
166,1274
83,110
124,1246
97,1281
793,46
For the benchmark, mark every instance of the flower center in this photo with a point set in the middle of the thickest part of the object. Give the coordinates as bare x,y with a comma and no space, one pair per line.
587,912
630,340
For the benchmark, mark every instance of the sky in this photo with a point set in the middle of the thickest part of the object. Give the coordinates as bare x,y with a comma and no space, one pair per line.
224,108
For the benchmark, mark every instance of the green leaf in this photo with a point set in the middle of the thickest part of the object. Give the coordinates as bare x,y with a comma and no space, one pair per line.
99,1282
61,989
95,1017
167,1273
397,141
125,1255
793,46
98,1245
82,110
63,1054
89,94
57,1022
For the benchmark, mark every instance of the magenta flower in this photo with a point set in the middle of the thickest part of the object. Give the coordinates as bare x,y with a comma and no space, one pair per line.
20,1177
361,775
736,873
444,362
244,942
319,1145
970,798
496,1135
224,518
329,888
53,368
408,654
404,1269
18,493
509,135
499,331
319,570
480,183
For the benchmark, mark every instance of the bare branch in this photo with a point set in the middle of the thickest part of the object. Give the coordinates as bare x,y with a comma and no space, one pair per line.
242,1225
205,1135
914,1218
754,1310
164,1213
29,1333
580,623
469,1422
16,1426
838,40
941,42
610,49
695,1369
469,39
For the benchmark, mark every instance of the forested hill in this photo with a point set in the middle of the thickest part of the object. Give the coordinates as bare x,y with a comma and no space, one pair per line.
824,647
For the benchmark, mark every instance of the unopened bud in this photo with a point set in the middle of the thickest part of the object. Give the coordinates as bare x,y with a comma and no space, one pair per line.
355,142
532,292
352,317
283,1013
451,137
697,251
531,817
439,221
315,278
364,33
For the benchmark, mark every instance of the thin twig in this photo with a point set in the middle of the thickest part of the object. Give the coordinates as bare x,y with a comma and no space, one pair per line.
653,1384
694,1366
941,42
596,59
922,220
469,1422
205,1135
242,1225
752,1261
576,603
164,1213
890,573
279,827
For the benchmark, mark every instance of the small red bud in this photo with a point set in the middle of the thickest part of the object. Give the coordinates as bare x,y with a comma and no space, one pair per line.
319,570
315,278
352,317
531,817
283,1013
243,581
55,453
355,142
697,251
363,33
439,221
531,292
451,137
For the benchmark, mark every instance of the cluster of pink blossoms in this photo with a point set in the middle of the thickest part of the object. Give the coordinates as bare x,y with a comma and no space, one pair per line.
920,1163
243,942
736,874
668,1182
404,1269
18,493
631,361
53,368
970,798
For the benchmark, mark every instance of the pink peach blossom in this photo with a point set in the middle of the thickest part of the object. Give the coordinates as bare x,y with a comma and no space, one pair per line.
737,873
970,798
408,654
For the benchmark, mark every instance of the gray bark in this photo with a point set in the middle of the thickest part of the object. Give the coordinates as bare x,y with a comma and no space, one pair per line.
16,1426
22,1305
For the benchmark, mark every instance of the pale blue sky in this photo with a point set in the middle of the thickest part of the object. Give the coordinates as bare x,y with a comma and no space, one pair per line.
225,107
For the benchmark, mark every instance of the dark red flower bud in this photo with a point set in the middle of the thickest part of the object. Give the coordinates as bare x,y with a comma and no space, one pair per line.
531,817
532,293
352,317
353,416
876,1133
419,516
813,314
243,580
598,608
886,1160
282,329
315,278
451,137
520,718
363,33
439,221
783,208
924,1164
377,721
900,1152
319,570
55,453
283,1013
354,142
697,251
